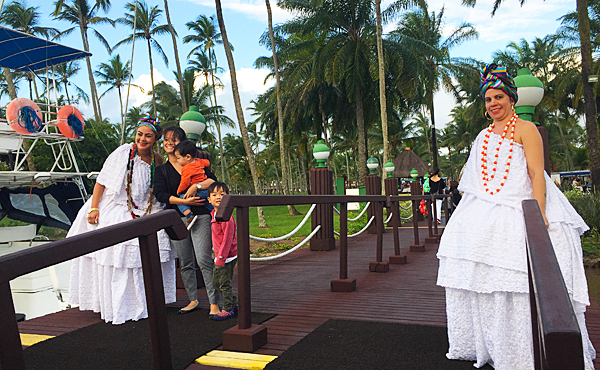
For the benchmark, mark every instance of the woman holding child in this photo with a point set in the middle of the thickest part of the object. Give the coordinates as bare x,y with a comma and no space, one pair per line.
168,179
110,281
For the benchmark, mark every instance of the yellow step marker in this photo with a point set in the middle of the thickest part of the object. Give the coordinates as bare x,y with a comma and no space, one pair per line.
31,339
237,360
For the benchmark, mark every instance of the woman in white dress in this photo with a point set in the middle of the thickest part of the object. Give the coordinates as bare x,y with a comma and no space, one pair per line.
482,255
110,281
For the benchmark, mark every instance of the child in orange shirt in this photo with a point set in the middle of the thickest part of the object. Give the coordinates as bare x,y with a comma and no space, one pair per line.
192,172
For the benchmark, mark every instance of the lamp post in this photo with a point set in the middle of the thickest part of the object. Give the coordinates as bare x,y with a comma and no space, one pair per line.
321,153
372,164
321,183
531,91
389,168
391,188
414,174
193,123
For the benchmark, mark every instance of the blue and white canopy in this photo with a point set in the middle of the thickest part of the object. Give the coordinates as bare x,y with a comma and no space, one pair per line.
24,52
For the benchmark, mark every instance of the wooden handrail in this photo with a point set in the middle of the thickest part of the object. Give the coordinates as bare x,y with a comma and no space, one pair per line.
556,336
32,259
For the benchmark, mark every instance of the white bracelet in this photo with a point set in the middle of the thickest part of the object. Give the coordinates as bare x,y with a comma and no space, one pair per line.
199,186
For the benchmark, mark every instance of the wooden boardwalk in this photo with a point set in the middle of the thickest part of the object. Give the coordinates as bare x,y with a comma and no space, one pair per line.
297,289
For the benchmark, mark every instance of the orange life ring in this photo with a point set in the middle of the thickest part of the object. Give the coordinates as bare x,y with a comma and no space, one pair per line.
13,114
62,121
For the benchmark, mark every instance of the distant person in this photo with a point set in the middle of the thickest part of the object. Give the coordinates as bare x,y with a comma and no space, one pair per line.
224,241
588,185
437,186
575,183
482,252
110,281
456,196
192,172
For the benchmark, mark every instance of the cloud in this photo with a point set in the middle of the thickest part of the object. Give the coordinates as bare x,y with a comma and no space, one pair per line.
109,103
255,9
250,85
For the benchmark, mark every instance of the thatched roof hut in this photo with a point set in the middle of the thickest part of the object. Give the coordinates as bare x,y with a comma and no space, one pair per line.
406,161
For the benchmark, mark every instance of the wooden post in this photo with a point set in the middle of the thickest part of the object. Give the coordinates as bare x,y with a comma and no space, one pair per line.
373,187
415,189
343,284
547,163
155,301
391,189
379,265
244,337
321,182
11,350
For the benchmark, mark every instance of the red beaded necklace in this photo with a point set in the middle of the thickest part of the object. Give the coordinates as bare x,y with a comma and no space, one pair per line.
484,173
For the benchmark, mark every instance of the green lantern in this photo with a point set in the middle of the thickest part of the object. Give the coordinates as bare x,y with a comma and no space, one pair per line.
414,173
372,164
193,123
321,153
389,168
530,90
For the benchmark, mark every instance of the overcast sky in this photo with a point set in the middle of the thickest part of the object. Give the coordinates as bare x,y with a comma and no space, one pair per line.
246,20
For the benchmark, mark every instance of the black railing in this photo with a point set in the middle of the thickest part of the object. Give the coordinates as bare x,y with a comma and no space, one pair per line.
23,262
557,341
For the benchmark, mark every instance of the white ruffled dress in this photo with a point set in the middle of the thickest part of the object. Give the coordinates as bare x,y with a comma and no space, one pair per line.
110,281
483,263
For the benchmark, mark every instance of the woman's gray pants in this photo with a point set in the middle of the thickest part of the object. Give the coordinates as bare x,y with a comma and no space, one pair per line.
202,239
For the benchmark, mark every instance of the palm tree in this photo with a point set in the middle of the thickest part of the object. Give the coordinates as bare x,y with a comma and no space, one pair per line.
84,16
284,174
346,55
437,68
115,74
240,113
64,72
207,36
176,51
146,21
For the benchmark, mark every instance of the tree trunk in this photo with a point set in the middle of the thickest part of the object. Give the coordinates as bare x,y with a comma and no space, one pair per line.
67,93
12,91
86,47
262,223
122,117
286,191
179,75
217,122
565,143
434,148
589,102
362,148
152,76
382,99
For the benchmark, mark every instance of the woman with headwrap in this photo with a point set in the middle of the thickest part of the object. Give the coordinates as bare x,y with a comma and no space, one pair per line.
110,281
482,252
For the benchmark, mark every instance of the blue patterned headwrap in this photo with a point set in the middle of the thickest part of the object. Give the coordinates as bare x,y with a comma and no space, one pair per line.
494,76
151,122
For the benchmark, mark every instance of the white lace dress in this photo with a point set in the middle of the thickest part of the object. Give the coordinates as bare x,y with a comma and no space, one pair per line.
483,263
110,281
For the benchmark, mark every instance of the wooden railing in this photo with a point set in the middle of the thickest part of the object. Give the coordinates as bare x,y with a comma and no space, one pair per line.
245,337
33,259
557,341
